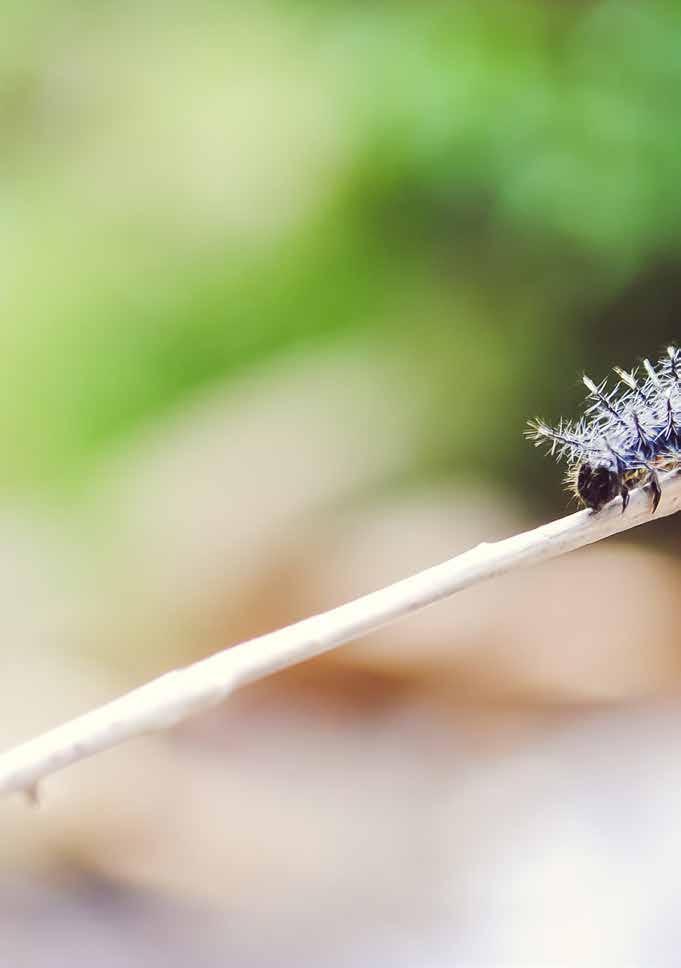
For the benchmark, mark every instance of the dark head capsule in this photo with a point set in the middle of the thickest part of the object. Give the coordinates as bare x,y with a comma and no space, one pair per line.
597,484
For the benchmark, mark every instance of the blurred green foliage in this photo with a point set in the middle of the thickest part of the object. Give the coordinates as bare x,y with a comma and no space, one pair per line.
188,189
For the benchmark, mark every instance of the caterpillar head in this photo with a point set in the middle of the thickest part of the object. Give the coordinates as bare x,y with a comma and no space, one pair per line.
598,483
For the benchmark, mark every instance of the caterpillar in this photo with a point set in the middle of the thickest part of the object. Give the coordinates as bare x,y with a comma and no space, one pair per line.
625,436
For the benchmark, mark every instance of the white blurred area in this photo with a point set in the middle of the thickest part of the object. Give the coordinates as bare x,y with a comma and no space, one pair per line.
492,782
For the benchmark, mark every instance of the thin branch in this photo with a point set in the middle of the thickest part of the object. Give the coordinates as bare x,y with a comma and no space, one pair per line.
179,694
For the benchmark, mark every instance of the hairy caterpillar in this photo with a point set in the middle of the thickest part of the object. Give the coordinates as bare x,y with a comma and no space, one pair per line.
625,436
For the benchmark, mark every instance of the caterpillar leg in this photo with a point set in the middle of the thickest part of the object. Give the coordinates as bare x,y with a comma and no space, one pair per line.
624,491
655,488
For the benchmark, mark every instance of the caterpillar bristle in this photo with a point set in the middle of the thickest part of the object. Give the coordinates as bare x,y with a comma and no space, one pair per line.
652,373
629,379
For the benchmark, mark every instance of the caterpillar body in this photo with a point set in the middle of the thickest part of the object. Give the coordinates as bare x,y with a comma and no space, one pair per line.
625,436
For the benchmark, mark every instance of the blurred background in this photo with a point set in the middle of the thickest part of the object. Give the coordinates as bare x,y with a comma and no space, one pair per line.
281,284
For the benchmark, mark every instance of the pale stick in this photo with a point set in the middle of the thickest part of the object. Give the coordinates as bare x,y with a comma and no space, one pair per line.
181,693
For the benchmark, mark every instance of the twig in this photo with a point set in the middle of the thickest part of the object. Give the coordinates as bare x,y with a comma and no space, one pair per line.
183,692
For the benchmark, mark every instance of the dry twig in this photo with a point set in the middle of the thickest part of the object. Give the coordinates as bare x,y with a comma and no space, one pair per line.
183,692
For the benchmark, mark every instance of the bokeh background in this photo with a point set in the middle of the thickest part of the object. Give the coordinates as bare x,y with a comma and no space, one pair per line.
281,283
